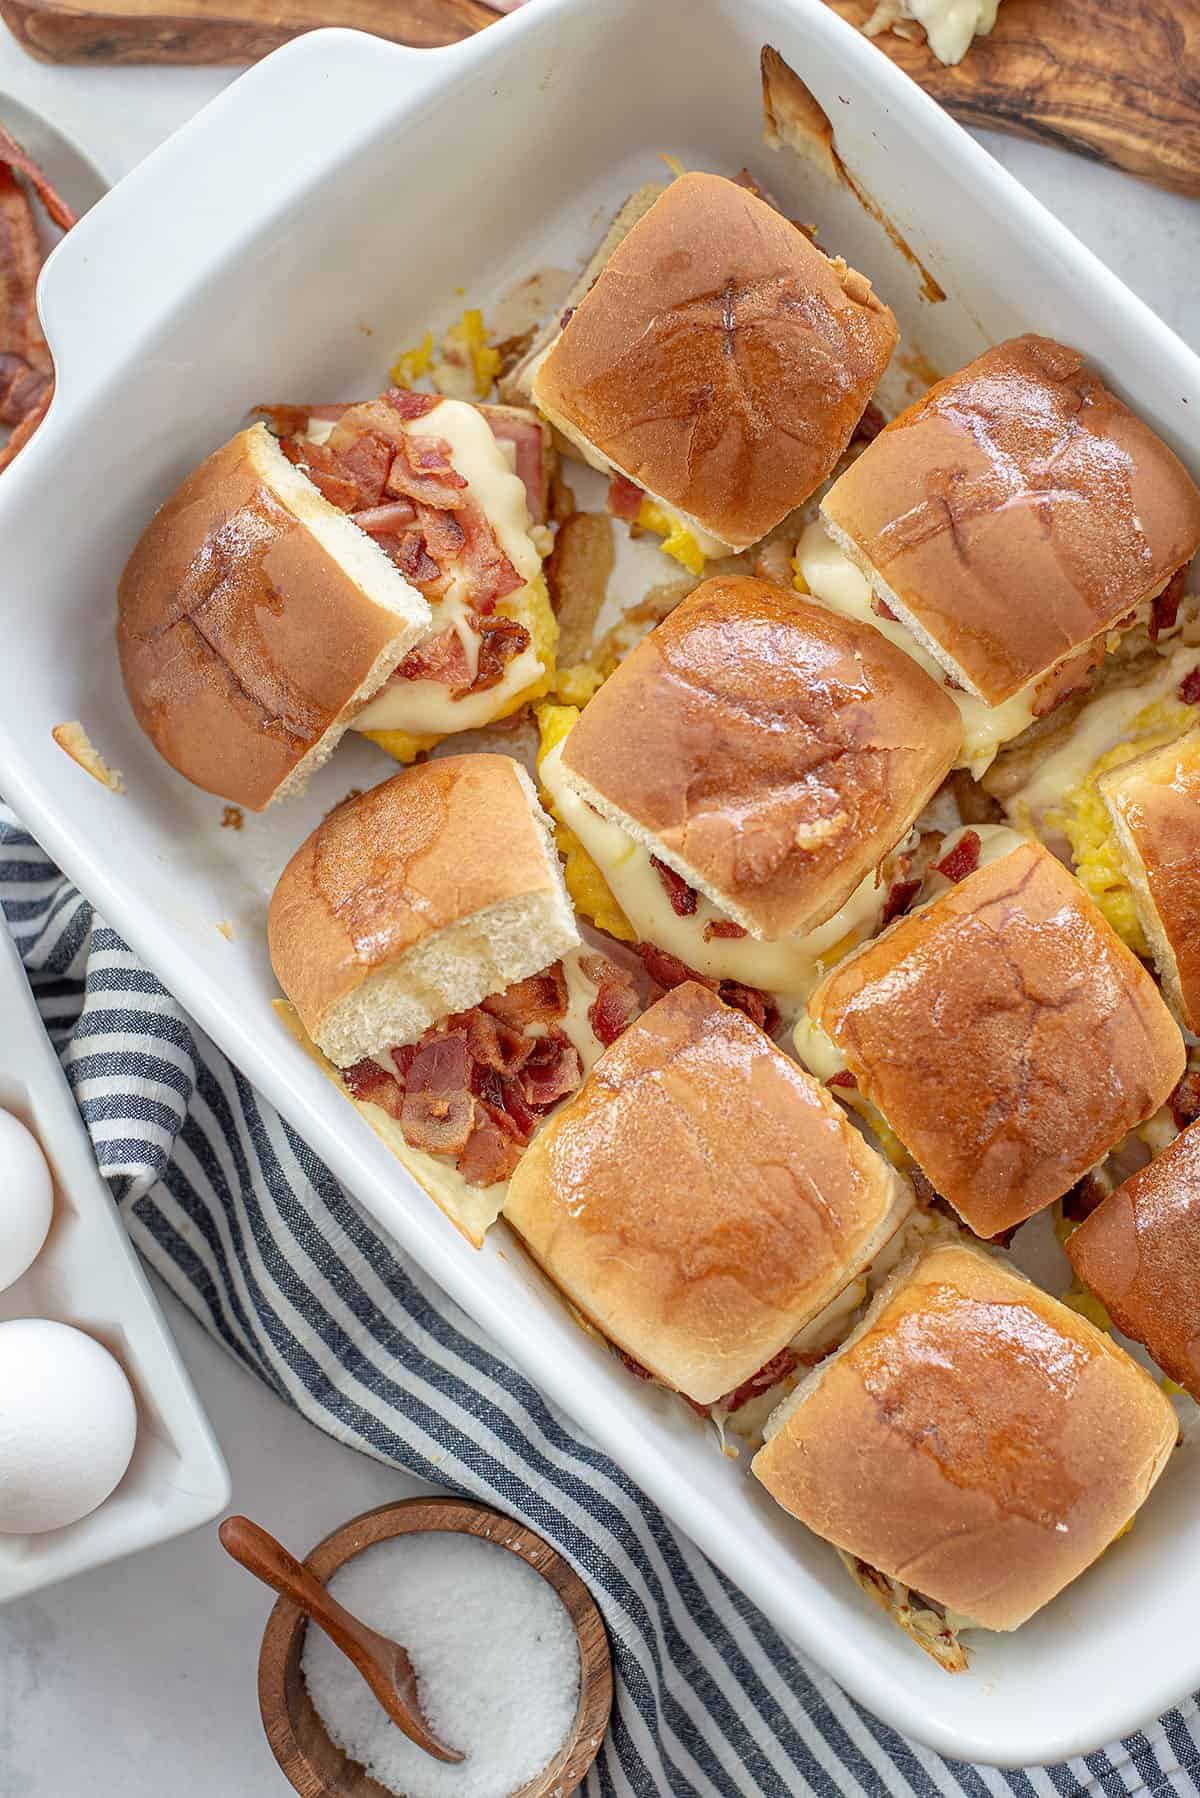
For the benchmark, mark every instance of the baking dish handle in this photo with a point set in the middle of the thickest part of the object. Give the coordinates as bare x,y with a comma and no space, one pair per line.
207,191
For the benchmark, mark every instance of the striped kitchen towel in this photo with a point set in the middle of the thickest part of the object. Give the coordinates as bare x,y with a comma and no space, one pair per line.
241,1219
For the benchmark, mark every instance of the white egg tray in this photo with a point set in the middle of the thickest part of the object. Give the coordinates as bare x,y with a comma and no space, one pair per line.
88,1275
247,260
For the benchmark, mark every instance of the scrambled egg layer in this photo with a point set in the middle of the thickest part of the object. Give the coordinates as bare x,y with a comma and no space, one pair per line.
1084,821
575,685
530,607
677,541
590,892
465,342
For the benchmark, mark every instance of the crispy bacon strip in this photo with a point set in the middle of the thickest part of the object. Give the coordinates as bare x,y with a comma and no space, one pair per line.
1189,687
624,499
1164,610
668,971
409,404
962,860
723,927
292,421
441,658
869,425
901,894
684,899
501,640
22,387
1185,1101
538,1000
24,431
422,470
843,1077
616,1003
769,1374
15,157
20,260
387,519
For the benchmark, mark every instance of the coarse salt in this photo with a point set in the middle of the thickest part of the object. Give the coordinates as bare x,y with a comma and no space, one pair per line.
496,1658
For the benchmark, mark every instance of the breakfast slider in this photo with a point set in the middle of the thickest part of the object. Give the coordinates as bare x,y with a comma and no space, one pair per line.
1004,1032
1139,1252
1154,804
717,365
255,620
701,1199
740,777
970,1449
434,969
1008,528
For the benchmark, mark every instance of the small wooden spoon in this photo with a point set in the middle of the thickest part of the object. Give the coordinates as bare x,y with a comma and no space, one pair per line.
383,1663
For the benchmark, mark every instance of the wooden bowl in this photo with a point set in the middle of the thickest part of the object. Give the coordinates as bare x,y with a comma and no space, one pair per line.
315,1766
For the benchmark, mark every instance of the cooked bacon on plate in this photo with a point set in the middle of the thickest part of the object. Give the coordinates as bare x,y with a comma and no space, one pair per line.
962,860
668,971
684,898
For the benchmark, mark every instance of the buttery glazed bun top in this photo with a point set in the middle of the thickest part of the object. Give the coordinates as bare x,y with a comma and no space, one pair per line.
254,619
976,1440
1155,805
1016,511
720,360
416,899
700,1198
1140,1253
769,750
1007,1034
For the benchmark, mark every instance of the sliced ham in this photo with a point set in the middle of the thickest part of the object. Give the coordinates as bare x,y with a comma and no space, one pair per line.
529,453
624,499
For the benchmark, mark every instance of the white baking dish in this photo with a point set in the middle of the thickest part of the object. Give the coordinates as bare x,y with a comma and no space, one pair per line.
303,228
87,1274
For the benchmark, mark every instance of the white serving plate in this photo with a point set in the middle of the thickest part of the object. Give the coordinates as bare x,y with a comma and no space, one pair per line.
309,223
87,1274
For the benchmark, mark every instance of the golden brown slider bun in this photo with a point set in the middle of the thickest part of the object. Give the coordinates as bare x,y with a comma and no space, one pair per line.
973,1439
418,899
1014,514
768,750
720,360
1007,1034
1154,803
254,620
1139,1252
701,1198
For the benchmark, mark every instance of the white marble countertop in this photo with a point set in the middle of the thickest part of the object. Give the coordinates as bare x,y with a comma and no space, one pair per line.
139,1679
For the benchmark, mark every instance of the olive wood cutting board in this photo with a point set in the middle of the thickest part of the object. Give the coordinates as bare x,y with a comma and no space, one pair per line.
1115,80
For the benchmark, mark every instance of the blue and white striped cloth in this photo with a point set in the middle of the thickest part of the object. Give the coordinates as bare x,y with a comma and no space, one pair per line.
241,1219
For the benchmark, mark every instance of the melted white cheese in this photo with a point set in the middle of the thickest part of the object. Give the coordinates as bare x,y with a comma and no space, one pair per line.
426,707
790,966
950,25
1103,723
834,581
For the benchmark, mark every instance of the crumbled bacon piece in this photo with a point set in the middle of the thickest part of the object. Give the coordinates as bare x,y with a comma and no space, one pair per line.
441,658
668,971
493,1044
292,421
962,860
901,894
684,898
723,927
409,404
769,1374
566,317
441,1064
326,473
490,575
373,1085
501,640
438,1122
881,608
1189,687
843,1077
538,1000
869,425
421,470
551,1071
21,387
1185,1101
1086,1196
616,1003
490,1154
624,498
1164,609
386,519
1069,677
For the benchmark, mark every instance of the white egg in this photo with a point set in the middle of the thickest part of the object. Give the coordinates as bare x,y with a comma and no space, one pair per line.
67,1425
26,1199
